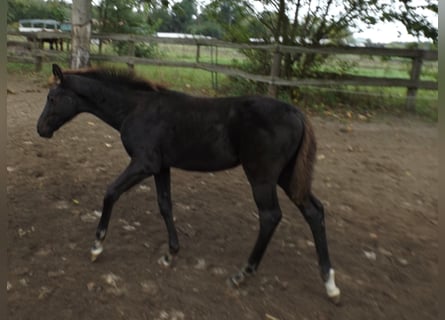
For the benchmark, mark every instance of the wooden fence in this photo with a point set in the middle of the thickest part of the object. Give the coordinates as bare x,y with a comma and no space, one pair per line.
417,56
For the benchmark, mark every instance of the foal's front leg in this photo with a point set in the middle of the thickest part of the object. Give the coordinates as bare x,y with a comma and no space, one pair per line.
133,174
162,180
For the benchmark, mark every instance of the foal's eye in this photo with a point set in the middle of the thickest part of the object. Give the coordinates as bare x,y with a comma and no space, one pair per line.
51,99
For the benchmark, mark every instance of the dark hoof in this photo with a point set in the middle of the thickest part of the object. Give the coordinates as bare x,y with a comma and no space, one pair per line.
166,260
237,279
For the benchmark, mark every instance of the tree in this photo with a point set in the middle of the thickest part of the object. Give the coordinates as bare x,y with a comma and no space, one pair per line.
179,18
81,33
233,17
183,14
315,23
37,9
413,15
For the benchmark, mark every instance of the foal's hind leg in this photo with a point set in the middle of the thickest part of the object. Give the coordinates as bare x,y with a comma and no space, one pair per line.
162,181
313,213
270,215
132,175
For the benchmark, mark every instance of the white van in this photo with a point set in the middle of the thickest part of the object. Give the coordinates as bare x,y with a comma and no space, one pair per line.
36,25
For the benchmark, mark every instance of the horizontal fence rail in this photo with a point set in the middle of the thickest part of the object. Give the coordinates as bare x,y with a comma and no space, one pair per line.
32,51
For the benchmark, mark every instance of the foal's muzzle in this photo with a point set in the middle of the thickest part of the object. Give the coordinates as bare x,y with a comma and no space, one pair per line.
44,131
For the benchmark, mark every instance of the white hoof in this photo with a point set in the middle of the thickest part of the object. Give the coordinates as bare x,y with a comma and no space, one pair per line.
96,250
332,290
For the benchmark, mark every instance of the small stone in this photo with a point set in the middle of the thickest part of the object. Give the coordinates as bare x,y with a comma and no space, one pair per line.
111,279
23,282
370,255
362,117
10,169
88,217
8,286
129,227
218,271
61,205
310,243
402,261
97,213
144,187
91,286
57,273
177,315
21,232
44,252
350,148
150,287
44,292
108,145
345,208
321,157
385,252
200,264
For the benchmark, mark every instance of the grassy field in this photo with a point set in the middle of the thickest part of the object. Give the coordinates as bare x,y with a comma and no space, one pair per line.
201,82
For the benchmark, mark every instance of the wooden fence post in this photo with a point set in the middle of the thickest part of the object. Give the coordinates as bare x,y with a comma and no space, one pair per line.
274,73
131,53
414,76
198,52
38,47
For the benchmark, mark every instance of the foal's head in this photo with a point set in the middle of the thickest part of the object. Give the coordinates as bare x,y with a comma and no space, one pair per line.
61,106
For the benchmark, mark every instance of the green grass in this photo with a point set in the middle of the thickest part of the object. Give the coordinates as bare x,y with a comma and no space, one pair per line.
195,81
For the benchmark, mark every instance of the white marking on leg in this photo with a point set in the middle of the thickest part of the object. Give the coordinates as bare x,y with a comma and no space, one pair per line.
96,250
166,260
331,289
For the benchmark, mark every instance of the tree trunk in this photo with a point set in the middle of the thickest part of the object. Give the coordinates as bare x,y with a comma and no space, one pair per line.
81,33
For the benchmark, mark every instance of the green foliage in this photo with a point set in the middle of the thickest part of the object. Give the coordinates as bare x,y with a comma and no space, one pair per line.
38,9
206,28
118,16
181,17
141,50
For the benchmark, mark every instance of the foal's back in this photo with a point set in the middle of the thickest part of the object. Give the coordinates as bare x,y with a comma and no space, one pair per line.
210,134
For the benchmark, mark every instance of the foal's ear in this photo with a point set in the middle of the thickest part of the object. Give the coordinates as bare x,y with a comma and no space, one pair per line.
57,72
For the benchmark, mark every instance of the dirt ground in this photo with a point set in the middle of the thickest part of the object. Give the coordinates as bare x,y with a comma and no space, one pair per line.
378,180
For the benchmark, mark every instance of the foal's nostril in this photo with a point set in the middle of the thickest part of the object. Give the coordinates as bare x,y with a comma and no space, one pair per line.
44,132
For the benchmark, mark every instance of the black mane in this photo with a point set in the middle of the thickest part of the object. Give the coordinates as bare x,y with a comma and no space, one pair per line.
117,78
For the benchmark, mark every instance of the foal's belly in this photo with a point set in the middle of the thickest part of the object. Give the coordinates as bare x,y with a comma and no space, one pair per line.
205,158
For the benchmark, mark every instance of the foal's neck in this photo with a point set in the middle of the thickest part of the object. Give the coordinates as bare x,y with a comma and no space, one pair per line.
111,106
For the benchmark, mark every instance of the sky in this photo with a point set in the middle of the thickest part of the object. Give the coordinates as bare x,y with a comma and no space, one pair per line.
386,33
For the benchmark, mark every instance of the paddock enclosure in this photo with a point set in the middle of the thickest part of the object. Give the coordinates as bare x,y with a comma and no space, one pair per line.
377,179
